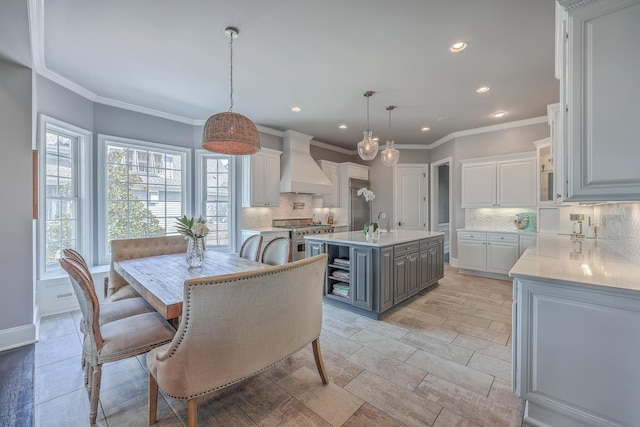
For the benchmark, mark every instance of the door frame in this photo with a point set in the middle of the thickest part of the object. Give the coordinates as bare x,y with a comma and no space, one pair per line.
433,197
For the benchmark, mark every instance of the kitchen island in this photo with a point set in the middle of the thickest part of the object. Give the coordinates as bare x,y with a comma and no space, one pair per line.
576,334
375,276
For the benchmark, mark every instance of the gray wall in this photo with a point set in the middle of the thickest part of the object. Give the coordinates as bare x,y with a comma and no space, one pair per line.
16,260
506,141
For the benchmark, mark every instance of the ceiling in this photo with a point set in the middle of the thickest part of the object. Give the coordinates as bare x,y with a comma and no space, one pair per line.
172,58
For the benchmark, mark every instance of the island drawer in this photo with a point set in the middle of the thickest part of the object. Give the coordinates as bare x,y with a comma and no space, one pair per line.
406,248
431,242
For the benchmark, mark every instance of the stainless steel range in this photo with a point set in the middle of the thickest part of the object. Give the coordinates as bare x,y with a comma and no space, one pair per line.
298,228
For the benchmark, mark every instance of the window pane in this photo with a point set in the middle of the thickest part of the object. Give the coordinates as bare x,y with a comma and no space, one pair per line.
61,203
144,191
216,200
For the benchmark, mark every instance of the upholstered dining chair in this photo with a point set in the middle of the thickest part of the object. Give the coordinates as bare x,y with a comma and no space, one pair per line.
109,311
116,288
111,341
225,336
278,251
251,248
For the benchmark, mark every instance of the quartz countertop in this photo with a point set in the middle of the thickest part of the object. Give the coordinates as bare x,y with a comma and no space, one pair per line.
493,230
587,262
393,237
267,230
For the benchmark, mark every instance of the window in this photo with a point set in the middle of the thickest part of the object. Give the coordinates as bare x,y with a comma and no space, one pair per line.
215,197
64,201
143,189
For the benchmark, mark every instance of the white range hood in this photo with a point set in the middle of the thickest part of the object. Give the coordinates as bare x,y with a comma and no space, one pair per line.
299,173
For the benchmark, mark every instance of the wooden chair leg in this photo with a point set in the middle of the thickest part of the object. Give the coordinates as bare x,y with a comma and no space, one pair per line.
95,393
153,400
192,412
319,363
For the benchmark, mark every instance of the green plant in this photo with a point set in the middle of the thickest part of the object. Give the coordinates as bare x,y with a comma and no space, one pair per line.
191,227
373,225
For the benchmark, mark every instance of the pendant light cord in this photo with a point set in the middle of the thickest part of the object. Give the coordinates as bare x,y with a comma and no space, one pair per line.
368,127
231,77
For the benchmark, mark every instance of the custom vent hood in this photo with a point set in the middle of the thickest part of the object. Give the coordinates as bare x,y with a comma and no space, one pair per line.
299,173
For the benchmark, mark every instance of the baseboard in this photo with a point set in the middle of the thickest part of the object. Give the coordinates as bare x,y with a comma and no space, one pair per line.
453,262
17,337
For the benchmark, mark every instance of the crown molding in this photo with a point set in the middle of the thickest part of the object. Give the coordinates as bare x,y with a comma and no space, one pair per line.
332,147
485,129
574,4
143,110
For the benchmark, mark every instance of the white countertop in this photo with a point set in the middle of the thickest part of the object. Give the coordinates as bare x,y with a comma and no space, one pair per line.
558,258
393,237
267,230
493,230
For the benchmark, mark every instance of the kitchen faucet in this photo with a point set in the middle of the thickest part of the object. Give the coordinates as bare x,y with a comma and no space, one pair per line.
384,214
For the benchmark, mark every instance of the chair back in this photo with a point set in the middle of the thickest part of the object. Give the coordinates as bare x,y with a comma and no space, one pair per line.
87,298
75,255
278,251
251,248
236,325
122,249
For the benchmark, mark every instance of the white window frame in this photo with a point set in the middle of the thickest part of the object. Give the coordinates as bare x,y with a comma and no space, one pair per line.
103,140
201,194
84,184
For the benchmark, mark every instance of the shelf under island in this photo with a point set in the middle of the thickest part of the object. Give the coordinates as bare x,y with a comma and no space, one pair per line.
373,277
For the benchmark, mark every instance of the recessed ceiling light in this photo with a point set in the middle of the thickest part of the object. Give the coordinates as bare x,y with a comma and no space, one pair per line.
342,127
483,89
296,109
458,46
499,114
424,129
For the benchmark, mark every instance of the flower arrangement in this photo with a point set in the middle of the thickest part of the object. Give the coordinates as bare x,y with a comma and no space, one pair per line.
190,227
368,196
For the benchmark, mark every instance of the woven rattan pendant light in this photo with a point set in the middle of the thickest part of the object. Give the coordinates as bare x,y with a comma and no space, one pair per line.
230,133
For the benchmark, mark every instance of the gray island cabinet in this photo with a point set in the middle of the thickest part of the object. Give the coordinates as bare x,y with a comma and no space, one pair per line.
373,277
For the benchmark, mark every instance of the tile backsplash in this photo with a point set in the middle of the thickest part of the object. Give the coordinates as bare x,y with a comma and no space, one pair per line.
497,219
618,227
256,218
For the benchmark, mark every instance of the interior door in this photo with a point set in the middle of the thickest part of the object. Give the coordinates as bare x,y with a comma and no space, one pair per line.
410,196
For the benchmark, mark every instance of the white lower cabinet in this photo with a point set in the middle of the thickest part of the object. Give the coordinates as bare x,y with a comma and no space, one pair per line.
575,353
488,252
502,252
472,251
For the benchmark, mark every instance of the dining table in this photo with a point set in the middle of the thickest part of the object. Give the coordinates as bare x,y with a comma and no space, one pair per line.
160,279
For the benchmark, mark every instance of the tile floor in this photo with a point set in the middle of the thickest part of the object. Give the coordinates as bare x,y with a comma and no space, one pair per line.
443,360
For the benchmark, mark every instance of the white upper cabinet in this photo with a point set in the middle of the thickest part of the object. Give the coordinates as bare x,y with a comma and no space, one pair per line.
261,179
500,182
330,169
601,97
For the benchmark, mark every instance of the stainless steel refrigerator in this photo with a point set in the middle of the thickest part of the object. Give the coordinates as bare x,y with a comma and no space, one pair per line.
359,212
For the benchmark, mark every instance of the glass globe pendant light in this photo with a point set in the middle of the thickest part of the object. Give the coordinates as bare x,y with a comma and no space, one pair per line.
390,155
368,148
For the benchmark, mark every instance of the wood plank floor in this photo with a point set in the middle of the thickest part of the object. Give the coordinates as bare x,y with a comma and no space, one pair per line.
443,360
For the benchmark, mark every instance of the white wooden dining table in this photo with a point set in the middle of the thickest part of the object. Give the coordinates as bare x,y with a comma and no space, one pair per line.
160,279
